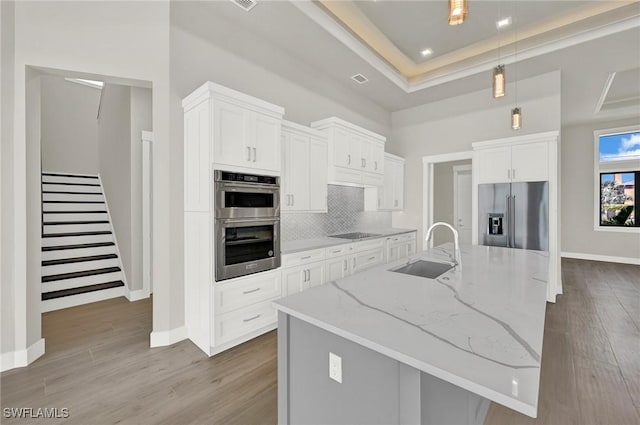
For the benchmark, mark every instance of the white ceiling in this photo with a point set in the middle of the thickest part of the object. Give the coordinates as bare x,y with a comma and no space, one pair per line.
586,67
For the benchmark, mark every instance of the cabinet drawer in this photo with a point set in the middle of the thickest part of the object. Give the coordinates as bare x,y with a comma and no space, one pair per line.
338,251
368,245
246,291
405,237
237,323
368,259
305,257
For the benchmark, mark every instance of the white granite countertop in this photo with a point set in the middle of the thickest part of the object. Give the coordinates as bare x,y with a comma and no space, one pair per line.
289,247
479,327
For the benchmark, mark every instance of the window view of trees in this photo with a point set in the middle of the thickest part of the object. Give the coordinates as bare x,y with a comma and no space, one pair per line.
617,199
619,167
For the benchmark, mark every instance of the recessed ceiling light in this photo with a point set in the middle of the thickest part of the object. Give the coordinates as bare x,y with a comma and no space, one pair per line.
426,52
504,22
360,79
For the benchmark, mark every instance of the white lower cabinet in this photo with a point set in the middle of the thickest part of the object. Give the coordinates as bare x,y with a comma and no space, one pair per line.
338,268
236,324
367,259
299,278
400,246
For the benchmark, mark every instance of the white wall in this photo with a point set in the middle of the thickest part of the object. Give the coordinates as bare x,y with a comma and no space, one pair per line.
141,120
578,235
7,288
69,126
451,125
114,144
117,40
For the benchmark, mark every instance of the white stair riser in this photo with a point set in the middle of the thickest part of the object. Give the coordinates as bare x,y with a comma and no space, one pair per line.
73,240
72,197
71,188
77,267
76,217
80,252
74,207
70,228
78,282
80,299
64,179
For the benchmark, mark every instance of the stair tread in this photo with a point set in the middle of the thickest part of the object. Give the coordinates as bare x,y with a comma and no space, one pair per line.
74,184
71,192
57,223
81,290
77,246
83,273
81,176
64,235
72,202
78,259
75,212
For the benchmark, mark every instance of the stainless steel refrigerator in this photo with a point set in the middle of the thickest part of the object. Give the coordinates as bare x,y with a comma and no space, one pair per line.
514,215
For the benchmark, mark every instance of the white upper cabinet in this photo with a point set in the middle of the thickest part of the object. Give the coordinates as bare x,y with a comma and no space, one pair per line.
390,195
244,131
304,169
521,161
355,154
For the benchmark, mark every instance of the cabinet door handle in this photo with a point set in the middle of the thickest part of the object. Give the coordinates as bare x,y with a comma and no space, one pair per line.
378,202
248,153
293,199
336,251
345,265
361,162
251,291
251,318
509,173
348,159
305,258
354,264
513,173
372,258
376,165
255,155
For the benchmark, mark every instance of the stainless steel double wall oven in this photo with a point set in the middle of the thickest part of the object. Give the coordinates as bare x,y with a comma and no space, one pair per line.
247,224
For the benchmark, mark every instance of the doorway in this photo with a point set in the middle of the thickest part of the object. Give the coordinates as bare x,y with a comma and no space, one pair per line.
462,202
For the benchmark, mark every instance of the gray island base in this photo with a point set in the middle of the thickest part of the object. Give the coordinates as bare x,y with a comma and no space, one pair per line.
415,350
375,389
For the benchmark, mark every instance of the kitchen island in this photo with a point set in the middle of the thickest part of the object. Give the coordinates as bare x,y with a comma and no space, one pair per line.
412,349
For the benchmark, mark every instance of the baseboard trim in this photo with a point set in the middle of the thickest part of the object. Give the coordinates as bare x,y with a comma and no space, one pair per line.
138,294
22,358
80,299
595,257
164,338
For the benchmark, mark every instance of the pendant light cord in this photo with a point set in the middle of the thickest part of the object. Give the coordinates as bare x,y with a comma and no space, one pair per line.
515,56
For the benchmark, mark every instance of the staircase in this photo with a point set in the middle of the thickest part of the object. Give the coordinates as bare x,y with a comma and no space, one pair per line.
80,261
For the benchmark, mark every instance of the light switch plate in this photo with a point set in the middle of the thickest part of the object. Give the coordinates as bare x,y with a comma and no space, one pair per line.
335,367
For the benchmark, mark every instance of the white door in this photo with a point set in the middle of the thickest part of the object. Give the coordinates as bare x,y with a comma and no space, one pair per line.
494,164
341,154
462,187
231,145
297,198
294,280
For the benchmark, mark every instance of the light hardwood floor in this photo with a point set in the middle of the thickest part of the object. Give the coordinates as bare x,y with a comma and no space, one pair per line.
99,366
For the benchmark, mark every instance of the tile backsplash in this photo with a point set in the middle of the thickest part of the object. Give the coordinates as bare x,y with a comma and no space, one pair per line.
345,214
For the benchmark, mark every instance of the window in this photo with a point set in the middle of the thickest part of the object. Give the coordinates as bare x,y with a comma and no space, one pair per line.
618,179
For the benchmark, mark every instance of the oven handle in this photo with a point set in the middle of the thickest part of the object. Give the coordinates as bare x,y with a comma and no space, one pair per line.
257,222
247,186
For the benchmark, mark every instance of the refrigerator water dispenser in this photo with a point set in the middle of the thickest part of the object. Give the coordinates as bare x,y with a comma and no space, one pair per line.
495,224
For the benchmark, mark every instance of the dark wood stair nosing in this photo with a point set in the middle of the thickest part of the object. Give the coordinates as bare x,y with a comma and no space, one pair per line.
72,202
77,246
62,223
75,212
71,192
72,260
83,273
81,290
80,176
73,234
74,184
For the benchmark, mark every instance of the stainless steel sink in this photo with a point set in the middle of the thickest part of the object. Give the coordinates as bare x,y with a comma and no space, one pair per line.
423,268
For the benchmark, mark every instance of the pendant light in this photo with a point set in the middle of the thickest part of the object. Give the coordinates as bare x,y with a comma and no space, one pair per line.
516,113
499,80
457,11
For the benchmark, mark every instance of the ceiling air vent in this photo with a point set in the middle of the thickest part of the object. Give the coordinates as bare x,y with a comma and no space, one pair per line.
360,79
247,5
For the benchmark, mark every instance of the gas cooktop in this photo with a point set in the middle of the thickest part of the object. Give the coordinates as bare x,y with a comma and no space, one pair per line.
356,235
